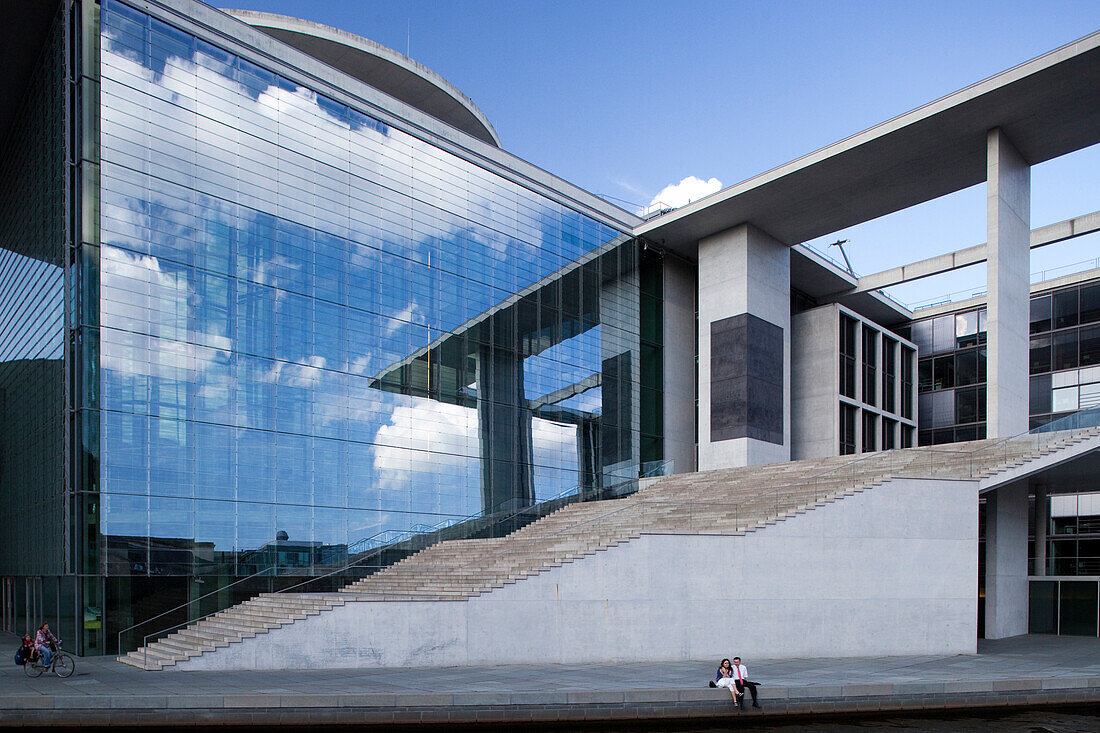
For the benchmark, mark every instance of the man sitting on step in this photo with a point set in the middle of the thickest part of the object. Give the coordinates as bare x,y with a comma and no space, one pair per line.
741,681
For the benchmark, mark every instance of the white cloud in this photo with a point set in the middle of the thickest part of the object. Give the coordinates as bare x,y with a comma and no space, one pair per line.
680,194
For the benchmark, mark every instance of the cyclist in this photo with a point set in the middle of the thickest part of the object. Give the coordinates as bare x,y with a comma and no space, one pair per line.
45,643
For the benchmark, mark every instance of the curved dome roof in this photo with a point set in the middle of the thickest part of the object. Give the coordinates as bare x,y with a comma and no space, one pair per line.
382,68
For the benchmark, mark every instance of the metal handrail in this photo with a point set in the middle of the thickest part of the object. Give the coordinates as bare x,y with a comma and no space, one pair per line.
849,465
643,501
184,605
358,563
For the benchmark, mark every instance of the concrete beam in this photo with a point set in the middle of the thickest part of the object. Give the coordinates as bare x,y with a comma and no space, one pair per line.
1050,234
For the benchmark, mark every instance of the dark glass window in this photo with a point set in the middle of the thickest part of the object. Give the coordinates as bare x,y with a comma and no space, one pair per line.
1090,303
847,430
943,408
922,337
1042,616
1039,394
1065,350
943,372
906,436
1065,308
847,357
966,405
924,375
943,333
889,380
870,361
888,427
967,432
1039,360
1040,314
1077,608
907,358
869,442
966,368
924,414
1090,346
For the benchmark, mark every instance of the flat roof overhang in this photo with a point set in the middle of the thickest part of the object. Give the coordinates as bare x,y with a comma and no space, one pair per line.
1048,107
377,65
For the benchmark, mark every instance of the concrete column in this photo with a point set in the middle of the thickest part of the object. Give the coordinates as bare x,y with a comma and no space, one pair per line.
1042,519
679,363
1006,601
745,379
1008,219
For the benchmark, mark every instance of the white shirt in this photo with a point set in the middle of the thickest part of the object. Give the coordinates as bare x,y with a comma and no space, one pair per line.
742,668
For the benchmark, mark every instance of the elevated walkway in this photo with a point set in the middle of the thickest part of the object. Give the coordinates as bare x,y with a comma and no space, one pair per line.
723,505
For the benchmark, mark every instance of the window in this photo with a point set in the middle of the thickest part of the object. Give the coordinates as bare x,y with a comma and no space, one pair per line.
888,427
870,361
1040,314
1065,350
1039,394
1039,360
1090,346
889,379
966,405
1090,303
966,329
907,359
924,375
943,333
943,372
847,357
921,335
869,442
847,430
966,368
1065,308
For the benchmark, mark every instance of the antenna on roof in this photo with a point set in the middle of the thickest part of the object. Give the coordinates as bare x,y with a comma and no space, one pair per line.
839,244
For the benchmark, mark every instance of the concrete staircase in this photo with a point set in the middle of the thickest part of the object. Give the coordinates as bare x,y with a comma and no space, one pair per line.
727,502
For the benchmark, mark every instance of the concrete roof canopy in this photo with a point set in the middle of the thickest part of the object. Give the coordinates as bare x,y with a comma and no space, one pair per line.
382,68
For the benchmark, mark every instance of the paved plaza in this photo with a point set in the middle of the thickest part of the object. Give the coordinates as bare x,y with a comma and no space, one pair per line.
1030,670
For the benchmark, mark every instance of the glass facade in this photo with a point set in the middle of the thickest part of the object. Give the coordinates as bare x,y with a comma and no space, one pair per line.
950,376
34,232
294,329
1064,363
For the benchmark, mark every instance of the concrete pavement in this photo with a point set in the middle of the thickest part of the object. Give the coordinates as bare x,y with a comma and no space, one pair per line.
1023,671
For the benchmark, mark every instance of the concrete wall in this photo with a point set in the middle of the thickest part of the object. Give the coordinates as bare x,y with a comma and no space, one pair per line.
890,571
815,383
742,270
679,366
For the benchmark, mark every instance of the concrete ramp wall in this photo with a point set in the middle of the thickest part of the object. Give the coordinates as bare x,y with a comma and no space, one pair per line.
889,571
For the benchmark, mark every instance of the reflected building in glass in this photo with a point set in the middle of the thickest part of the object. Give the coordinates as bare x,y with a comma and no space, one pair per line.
288,314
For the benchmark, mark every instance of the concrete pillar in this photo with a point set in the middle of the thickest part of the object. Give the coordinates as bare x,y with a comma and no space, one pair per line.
1008,219
1042,519
1006,600
744,349
679,363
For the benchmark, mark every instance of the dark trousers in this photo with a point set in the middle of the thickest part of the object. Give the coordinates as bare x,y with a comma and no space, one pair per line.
741,688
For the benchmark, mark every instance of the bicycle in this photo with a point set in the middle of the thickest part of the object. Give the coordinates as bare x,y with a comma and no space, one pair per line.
61,663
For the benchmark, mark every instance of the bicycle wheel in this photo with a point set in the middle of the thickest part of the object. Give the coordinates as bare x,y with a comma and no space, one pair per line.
33,669
63,665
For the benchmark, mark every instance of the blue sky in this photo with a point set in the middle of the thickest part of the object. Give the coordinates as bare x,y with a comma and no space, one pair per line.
625,98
